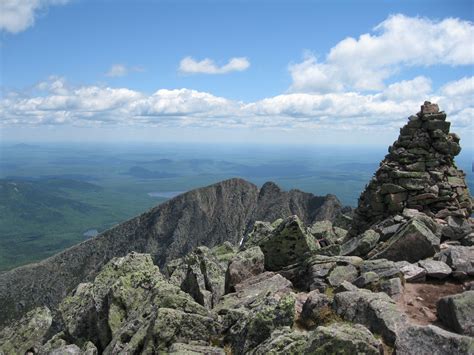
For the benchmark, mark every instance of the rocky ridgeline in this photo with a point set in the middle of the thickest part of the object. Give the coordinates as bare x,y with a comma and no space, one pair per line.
398,278
254,299
419,173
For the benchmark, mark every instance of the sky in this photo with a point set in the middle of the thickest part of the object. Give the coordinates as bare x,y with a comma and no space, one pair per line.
306,72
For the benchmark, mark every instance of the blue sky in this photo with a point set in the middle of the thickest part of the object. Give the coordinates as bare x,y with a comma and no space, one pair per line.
293,71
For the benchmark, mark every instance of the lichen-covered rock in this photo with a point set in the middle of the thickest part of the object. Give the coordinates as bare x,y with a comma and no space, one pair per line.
435,269
376,311
342,273
243,265
456,312
361,245
432,340
382,267
282,341
460,259
413,242
130,306
343,338
315,308
200,274
194,349
260,231
28,332
289,243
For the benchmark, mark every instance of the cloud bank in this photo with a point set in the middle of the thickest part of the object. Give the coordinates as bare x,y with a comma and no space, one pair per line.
55,102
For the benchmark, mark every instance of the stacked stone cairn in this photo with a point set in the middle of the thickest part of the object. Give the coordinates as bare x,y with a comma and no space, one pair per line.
419,173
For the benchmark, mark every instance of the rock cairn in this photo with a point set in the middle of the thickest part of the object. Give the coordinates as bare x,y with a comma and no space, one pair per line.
419,173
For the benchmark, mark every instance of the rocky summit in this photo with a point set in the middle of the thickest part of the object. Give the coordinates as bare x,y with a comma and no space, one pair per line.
233,269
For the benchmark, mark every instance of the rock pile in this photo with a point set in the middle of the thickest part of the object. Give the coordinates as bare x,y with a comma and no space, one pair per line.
419,173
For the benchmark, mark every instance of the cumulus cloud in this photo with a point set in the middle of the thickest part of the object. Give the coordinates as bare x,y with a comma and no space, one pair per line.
189,65
396,43
18,15
57,102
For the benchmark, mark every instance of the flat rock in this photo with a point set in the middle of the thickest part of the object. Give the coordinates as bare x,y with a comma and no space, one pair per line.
432,340
376,311
435,269
457,312
361,245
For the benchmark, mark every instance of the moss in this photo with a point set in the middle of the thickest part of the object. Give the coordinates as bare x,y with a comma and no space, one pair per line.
329,291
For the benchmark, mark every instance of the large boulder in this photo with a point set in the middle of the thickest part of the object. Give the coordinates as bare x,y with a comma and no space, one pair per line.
130,306
435,269
282,341
361,245
289,243
432,340
315,308
456,312
376,311
343,338
27,333
200,273
243,265
258,306
415,241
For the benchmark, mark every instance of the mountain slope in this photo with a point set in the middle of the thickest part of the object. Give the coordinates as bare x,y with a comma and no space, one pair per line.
206,216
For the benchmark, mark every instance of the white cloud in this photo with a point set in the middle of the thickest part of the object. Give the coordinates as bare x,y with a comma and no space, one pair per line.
118,70
408,89
398,42
189,65
18,15
59,103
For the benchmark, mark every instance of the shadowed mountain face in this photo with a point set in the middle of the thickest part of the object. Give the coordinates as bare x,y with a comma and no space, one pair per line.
206,216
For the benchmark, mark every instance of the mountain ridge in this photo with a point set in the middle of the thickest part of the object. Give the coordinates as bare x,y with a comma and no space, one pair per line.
207,216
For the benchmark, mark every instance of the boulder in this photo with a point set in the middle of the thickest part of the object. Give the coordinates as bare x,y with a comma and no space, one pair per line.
315,308
194,349
289,243
413,273
362,244
200,274
435,269
243,265
343,338
376,311
131,305
282,341
260,231
342,273
432,340
456,312
26,333
460,259
414,241
366,278
382,267
392,287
